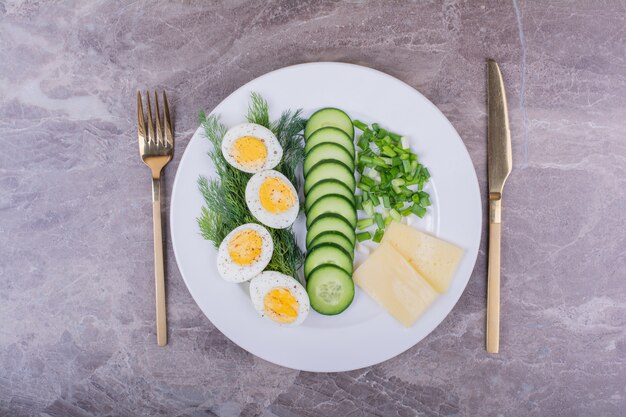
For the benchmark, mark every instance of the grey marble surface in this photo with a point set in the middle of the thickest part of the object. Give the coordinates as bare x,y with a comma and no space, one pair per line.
76,310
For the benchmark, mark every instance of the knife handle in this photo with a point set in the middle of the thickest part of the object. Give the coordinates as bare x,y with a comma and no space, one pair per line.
493,275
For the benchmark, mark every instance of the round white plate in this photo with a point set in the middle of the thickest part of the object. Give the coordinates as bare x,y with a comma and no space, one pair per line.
364,334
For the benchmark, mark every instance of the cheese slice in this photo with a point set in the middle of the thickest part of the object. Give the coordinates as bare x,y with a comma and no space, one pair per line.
393,283
435,259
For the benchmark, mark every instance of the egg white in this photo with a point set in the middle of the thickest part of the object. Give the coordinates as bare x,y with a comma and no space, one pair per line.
273,220
232,271
274,150
268,280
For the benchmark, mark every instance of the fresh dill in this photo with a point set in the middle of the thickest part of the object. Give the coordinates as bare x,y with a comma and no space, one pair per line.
225,205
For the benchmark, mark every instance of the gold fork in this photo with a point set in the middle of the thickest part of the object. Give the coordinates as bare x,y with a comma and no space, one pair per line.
156,151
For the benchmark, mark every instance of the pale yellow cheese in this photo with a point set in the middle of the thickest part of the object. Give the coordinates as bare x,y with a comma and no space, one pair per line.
435,259
393,283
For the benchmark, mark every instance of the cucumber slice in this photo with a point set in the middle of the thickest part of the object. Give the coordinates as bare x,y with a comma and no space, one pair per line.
327,254
327,150
329,169
330,135
330,289
332,203
333,237
324,188
330,222
329,116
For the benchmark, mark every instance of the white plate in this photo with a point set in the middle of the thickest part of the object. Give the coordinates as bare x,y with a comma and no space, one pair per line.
364,334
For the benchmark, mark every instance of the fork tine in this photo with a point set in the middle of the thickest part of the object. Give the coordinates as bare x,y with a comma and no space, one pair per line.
151,137
141,130
159,131
167,123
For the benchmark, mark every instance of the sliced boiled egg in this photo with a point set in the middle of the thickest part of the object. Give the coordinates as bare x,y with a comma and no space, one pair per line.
279,298
272,199
251,148
244,253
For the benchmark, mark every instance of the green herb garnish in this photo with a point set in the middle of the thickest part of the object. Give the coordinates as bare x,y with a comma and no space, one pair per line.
391,176
225,204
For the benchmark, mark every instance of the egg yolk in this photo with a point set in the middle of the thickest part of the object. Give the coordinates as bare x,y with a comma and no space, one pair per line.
249,151
245,247
276,196
280,305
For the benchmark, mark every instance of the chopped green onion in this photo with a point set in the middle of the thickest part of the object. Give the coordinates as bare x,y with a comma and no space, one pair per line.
368,207
386,150
405,157
406,166
388,220
363,236
363,187
406,212
418,210
366,196
404,141
378,236
395,215
368,181
364,223
375,127
359,125
375,200
386,201
358,202
366,159
398,205
378,218
363,142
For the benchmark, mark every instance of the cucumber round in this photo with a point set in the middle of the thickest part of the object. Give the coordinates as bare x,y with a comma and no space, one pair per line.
327,150
329,169
332,203
330,135
330,222
324,188
333,237
330,289
327,254
329,116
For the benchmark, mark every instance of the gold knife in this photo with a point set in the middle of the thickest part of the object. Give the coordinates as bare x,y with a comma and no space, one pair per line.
499,164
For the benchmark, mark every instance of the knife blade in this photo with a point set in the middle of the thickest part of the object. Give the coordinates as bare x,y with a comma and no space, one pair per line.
500,164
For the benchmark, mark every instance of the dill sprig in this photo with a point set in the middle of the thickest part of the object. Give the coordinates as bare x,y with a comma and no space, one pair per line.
225,205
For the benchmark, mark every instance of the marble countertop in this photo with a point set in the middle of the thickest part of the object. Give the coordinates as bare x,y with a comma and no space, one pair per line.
76,305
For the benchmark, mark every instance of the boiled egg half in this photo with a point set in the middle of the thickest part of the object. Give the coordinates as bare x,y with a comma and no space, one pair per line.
244,253
279,298
272,199
251,148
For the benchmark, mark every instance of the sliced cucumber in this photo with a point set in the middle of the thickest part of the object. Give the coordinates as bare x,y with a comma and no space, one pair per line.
329,169
328,151
324,188
329,116
330,135
330,222
327,254
332,203
333,237
330,289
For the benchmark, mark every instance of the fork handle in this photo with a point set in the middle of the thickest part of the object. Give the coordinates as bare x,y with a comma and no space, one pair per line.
159,273
493,277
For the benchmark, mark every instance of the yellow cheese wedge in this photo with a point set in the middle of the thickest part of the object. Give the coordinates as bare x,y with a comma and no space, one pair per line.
435,259
393,283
